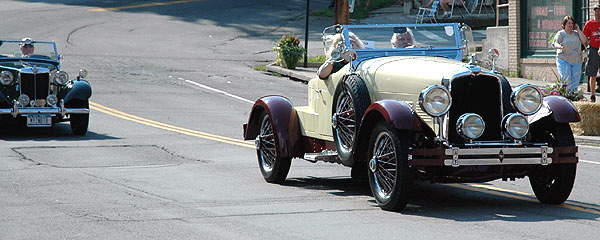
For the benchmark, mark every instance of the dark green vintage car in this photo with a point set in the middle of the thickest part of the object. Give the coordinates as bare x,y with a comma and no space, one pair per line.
34,90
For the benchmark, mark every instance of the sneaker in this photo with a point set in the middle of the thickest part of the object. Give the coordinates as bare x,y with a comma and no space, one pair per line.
593,98
446,15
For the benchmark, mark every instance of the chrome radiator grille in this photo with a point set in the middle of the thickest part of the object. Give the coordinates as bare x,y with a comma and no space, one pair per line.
481,95
36,86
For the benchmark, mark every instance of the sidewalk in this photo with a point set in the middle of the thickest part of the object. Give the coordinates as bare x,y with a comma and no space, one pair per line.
395,14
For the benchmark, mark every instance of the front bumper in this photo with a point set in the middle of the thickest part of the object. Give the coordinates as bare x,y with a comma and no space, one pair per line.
16,110
541,155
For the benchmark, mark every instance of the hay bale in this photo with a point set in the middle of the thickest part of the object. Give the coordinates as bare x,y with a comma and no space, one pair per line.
590,119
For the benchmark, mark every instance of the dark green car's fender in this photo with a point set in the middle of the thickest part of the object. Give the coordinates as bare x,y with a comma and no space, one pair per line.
79,89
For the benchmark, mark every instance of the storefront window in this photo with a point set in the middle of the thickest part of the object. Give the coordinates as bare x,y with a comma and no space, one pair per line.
543,20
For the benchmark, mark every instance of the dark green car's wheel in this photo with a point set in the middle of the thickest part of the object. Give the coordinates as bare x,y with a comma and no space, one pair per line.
388,167
552,184
80,122
273,168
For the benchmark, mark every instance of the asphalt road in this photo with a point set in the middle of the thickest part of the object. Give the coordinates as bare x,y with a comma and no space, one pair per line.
173,83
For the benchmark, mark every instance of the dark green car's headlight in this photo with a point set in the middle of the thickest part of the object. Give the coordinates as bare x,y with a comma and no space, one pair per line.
6,77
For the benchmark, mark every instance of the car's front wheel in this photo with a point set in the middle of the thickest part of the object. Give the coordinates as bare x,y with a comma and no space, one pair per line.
273,167
80,122
553,184
388,167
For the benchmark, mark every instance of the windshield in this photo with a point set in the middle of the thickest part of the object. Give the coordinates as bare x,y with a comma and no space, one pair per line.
28,49
396,39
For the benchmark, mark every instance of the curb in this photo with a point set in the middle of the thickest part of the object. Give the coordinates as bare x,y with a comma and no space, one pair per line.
298,74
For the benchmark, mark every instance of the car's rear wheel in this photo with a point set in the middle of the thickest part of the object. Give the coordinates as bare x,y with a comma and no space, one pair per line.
351,99
388,167
273,167
80,122
552,184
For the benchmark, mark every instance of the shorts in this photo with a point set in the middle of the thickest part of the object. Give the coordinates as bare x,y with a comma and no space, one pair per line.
593,62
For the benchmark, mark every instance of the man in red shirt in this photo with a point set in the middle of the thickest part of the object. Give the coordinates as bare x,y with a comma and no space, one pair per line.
592,32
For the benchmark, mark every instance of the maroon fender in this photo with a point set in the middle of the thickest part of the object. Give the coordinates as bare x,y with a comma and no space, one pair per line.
285,124
396,113
562,109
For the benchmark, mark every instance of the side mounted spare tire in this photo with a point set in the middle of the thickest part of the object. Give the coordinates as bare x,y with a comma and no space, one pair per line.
350,101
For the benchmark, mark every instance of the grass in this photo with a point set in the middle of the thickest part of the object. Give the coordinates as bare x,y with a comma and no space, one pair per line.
359,12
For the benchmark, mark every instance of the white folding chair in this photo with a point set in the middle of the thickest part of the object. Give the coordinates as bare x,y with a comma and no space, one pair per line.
488,4
428,12
458,4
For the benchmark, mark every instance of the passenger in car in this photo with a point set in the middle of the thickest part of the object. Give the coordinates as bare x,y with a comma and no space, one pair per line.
333,65
27,47
402,38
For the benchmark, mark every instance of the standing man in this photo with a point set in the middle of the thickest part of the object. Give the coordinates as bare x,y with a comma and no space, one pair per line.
592,32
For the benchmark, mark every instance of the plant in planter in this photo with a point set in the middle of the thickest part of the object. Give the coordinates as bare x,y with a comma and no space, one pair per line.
289,51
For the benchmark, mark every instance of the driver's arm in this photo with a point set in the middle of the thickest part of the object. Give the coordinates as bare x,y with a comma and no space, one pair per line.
325,69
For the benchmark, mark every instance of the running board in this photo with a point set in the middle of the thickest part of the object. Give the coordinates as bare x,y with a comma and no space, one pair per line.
325,156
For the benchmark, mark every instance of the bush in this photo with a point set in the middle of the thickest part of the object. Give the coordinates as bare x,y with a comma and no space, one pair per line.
291,52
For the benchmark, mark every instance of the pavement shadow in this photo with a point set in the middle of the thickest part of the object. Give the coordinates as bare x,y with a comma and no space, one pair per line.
259,16
15,131
459,204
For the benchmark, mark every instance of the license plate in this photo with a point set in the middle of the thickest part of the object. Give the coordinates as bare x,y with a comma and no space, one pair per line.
39,120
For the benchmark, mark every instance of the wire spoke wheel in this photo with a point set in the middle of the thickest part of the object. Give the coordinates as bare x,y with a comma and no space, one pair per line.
350,101
389,175
346,121
273,167
384,156
266,145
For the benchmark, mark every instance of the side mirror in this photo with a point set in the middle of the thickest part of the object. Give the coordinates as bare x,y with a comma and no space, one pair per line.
493,54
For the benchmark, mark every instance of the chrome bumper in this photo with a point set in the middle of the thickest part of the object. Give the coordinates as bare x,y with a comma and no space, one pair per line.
540,155
16,111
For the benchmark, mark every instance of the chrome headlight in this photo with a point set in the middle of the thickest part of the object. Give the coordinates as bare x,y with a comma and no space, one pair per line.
23,99
6,77
51,100
435,100
61,78
515,125
470,125
527,99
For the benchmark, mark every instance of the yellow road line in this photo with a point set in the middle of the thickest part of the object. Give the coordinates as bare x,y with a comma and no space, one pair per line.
524,196
470,187
141,5
168,127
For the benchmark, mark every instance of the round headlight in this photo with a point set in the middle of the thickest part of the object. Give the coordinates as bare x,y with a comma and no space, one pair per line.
52,100
61,78
435,100
515,125
6,77
23,99
527,99
470,125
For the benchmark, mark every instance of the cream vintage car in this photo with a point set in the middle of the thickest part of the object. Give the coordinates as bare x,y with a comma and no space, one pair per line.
395,115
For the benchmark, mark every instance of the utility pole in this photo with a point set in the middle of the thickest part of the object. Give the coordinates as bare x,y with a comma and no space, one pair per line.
342,14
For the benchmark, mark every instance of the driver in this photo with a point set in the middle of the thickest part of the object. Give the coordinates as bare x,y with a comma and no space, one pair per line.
402,38
333,65
27,47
